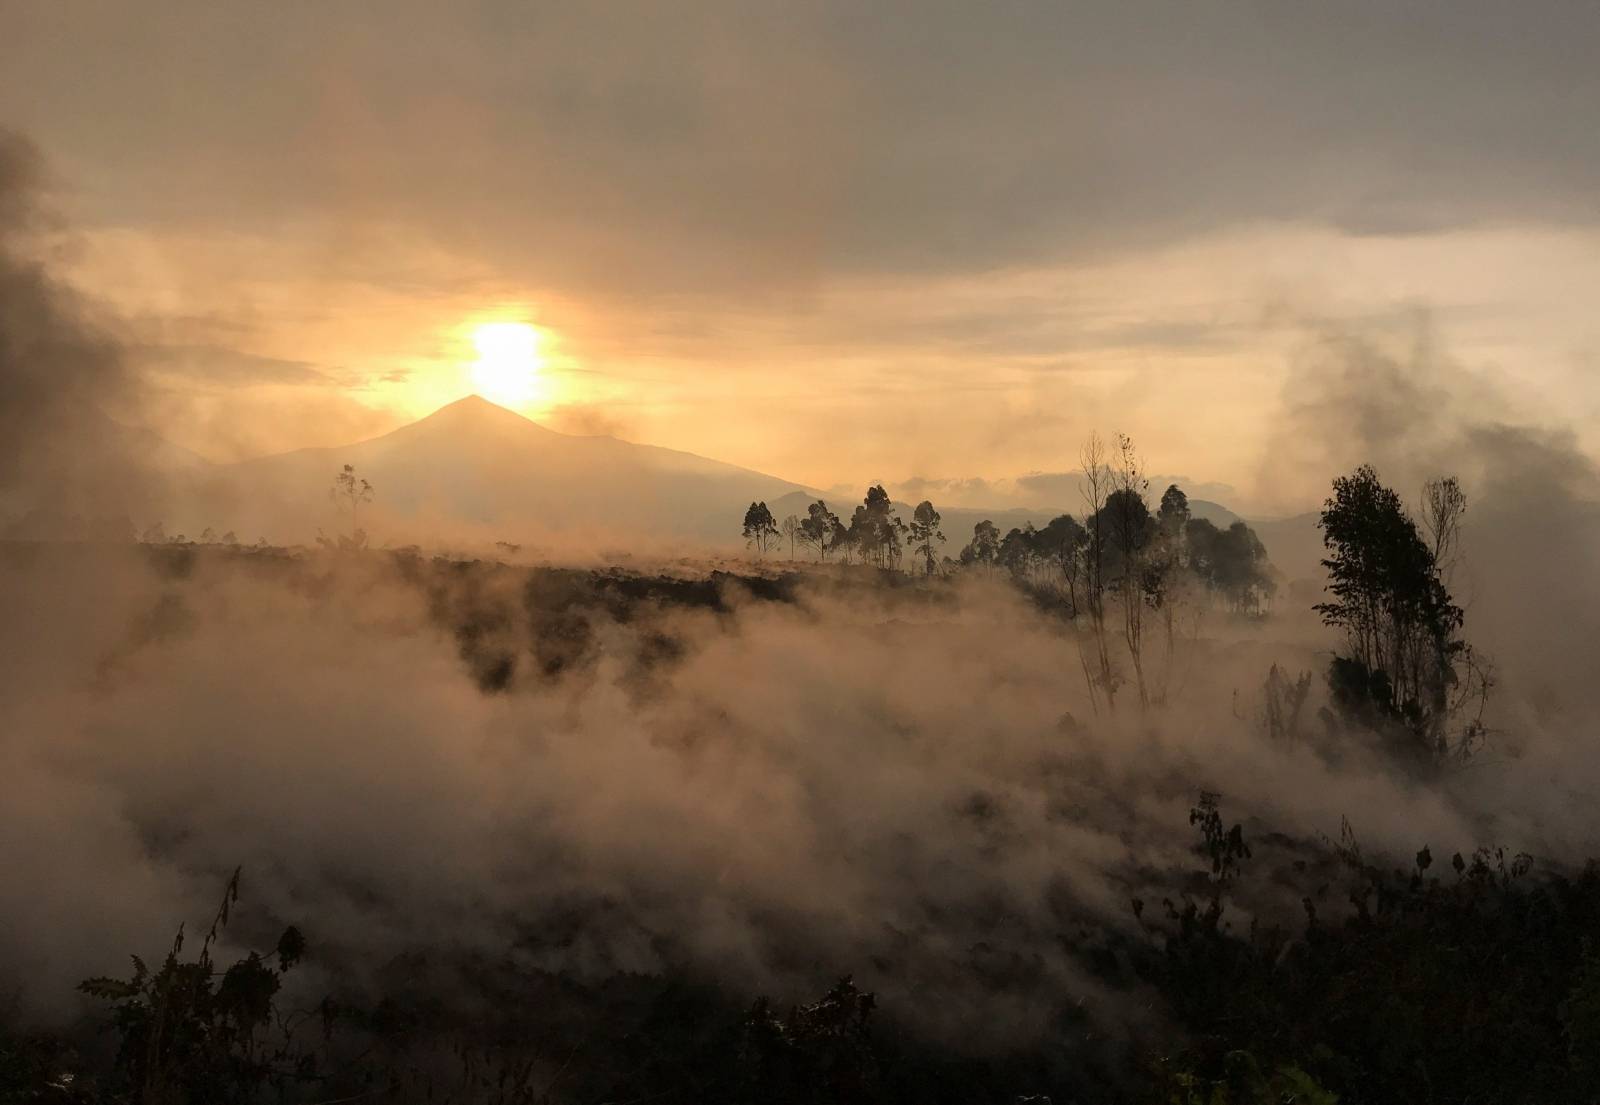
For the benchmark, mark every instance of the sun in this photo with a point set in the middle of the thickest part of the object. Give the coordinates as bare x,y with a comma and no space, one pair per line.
508,367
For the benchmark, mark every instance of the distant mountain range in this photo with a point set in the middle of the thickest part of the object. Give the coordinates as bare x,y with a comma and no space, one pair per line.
475,471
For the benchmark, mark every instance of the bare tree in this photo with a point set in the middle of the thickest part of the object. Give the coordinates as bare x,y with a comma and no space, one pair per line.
1131,522
350,492
1443,504
1096,486
791,532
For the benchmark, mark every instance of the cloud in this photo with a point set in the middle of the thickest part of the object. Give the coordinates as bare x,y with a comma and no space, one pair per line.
754,148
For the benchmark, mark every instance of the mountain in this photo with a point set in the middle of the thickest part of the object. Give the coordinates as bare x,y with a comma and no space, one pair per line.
477,469
1294,545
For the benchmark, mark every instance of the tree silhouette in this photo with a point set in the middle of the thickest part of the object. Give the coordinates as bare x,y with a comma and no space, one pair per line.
1403,657
818,527
1231,563
791,532
1173,514
760,530
875,532
1097,486
350,492
925,533
1131,527
1061,543
984,548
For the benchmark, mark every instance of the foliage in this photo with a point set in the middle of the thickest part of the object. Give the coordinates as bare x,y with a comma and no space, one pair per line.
1231,563
760,528
820,1053
925,534
875,533
191,1034
1404,667
984,548
818,529
1473,985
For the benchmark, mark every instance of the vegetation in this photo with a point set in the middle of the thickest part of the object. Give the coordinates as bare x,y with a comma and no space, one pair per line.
760,529
1275,970
1471,980
1404,668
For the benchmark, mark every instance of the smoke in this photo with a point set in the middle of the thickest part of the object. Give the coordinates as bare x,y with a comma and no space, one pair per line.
906,783
912,788
1530,541
66,468
912,785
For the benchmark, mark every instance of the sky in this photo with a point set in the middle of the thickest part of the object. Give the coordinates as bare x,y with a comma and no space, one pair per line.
932,244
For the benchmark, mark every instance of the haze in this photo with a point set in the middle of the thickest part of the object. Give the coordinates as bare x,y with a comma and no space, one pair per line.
948,241
823,553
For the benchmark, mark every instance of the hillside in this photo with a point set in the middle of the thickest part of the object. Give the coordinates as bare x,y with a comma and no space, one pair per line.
478,466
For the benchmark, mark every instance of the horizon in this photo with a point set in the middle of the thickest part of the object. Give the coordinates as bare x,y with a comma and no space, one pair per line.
953,264
781,552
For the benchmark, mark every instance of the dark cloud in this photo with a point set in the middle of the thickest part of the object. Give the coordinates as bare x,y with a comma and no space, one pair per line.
752,147
64,463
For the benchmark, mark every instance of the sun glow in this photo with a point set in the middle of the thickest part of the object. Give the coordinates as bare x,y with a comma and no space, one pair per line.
509,367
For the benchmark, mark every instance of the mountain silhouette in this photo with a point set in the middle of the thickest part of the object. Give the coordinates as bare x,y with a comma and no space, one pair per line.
477,467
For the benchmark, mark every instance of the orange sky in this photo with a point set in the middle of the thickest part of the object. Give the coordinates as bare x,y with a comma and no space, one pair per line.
827,244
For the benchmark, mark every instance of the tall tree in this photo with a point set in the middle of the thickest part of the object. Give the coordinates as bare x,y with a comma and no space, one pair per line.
1130,527
790,529
984,548
351,492
1403,658
1062,542
760,530
817,528
925,534
875,531
1097,487
1173,513
840,541
1019,551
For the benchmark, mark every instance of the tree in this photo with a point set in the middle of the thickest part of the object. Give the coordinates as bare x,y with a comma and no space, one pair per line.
875,532
1173,514
193,1032
925,532
1062,542
1096,487
818,527
1130,528
840,539
1231,563
760,530
791,532
1443,504
1018,551
350,492
1403,658
984,548
1164,567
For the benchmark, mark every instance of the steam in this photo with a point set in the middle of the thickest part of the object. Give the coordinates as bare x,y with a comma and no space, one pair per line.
912,786
914,790
66,469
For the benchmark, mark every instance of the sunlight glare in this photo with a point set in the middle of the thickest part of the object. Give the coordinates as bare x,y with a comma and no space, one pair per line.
507,370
